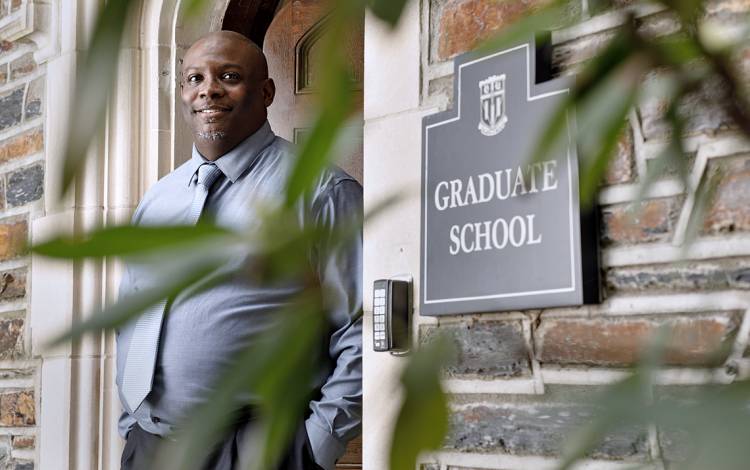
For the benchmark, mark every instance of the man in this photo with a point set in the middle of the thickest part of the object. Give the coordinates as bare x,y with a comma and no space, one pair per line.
169,358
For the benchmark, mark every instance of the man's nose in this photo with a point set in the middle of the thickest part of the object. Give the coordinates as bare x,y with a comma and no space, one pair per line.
211,88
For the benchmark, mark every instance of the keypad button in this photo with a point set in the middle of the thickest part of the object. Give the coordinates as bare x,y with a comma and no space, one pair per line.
379,301
379,292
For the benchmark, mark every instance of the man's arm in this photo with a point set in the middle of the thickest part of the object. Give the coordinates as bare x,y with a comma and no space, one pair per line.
336,417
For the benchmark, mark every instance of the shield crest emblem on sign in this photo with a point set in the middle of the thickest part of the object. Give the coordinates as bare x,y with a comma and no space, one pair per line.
492,118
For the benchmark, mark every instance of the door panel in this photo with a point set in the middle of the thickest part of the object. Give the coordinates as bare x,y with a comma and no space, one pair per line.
291,44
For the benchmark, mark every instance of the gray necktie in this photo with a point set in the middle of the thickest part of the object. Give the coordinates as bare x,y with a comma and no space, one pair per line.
138,373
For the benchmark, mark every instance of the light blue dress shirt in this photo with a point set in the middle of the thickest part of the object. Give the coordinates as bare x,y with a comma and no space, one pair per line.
204,331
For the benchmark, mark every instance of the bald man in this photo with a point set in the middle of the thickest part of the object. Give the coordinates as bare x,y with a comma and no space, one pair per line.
169,359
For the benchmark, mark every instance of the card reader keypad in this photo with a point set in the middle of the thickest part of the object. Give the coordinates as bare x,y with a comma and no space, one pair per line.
379,305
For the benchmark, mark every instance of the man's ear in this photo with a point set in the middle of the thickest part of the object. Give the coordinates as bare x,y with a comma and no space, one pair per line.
269,91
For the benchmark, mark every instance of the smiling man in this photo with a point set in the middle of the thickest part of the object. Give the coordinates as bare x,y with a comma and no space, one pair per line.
168,360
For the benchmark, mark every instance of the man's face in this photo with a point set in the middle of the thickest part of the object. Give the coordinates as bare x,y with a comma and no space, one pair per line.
224,93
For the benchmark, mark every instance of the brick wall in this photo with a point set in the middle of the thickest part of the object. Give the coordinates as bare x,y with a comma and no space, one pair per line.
523,379
22,168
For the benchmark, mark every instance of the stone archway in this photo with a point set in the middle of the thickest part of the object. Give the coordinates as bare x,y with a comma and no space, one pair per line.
140,142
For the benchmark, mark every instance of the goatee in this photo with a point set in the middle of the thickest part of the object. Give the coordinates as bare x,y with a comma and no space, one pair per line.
212,135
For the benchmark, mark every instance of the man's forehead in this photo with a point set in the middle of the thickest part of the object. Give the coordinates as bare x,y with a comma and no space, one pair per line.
219,48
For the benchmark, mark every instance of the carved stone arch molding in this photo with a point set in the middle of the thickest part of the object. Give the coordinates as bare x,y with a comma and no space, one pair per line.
305,70
306,61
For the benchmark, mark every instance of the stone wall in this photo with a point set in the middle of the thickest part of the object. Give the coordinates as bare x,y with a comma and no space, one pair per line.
22,168
525,379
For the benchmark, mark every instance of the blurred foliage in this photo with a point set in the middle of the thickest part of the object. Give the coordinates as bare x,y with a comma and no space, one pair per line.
674,66
635,65
423,417
707,424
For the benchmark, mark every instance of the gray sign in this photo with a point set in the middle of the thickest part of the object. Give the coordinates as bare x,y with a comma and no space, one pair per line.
500,232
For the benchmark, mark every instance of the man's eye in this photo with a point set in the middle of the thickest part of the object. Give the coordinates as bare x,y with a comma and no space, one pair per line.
193,78
231,76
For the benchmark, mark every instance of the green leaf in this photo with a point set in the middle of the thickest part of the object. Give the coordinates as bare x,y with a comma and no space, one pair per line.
676,50
602,121
130,240
616,409
283,384
687,10
94,81
193,8
387,10
712,420
618,51
423,418
673,156
626,403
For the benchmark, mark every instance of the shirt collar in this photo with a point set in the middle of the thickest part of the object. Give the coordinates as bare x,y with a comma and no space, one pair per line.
234,163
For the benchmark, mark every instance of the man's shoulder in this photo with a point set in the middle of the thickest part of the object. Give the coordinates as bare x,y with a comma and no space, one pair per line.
286,153
161,193
338,195
280,144
334,181
179,176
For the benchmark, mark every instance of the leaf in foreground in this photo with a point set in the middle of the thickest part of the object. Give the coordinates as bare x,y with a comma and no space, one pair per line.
423,418
594,79
387,10
603,119
714,420
132,240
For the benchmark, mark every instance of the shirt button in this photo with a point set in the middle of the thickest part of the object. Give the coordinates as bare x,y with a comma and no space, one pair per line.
155,419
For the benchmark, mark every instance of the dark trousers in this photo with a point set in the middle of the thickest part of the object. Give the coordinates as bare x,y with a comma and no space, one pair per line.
141,445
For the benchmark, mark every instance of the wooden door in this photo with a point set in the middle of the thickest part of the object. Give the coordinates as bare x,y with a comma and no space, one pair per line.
291,44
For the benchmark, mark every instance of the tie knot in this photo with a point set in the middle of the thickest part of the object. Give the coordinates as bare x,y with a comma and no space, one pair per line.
207,174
